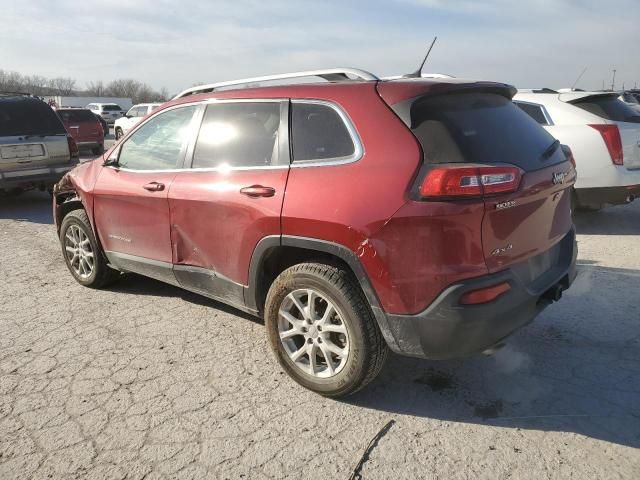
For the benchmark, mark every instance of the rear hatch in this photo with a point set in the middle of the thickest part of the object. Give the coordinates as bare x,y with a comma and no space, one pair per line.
521,172
31,135
614,111
82,125
111,112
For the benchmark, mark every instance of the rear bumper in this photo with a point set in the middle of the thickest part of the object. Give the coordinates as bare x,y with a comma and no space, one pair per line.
447,329
35,177
90,143
600,197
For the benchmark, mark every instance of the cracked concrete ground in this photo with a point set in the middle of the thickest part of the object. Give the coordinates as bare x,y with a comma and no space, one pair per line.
146,381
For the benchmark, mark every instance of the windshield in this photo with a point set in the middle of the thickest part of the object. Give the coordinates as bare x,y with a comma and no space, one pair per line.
27,116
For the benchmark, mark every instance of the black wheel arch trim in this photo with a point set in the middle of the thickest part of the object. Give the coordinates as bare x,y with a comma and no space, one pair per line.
322,246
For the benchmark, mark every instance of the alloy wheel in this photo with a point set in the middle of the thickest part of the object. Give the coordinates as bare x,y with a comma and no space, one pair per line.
79,253
313,333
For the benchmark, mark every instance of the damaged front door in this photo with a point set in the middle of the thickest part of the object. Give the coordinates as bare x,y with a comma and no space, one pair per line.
231,197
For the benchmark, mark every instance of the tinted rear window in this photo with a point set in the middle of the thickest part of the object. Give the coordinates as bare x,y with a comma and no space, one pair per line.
480,128
76,116
609,108
111,108
28,117
319,133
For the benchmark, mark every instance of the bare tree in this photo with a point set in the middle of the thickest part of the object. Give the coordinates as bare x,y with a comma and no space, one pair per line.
62,86
96,89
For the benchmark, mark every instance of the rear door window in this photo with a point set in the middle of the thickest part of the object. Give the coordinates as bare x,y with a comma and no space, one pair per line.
609,108
27,116
319,133
482,128
238,134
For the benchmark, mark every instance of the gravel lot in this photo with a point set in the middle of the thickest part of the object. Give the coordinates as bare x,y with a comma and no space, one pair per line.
146,381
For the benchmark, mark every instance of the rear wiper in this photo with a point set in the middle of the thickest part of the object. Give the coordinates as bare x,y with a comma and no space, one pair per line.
550,150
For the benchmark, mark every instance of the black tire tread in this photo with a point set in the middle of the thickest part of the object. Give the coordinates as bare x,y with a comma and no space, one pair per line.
105,275
344,281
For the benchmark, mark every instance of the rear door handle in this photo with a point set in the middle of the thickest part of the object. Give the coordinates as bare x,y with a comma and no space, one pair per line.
154,186
255,191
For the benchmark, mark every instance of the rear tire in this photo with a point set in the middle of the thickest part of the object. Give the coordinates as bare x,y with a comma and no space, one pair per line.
82,253
99,150
337,319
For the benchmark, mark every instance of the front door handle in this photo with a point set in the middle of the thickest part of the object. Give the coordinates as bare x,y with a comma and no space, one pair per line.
154,186
255,191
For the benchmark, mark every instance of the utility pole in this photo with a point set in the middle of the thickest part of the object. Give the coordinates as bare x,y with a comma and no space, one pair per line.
613,80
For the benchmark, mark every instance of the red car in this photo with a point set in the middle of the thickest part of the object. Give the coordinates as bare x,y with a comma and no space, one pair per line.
84,127
431,217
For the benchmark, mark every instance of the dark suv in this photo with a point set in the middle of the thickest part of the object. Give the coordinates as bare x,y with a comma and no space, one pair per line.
431,217
35,149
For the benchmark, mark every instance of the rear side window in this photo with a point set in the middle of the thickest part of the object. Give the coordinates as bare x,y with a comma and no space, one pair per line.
534,111
480,128
69,116
28,117
111,108
242,134
319,133
609,108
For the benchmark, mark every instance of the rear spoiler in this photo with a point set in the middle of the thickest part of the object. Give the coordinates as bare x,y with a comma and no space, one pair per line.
578,97
400,95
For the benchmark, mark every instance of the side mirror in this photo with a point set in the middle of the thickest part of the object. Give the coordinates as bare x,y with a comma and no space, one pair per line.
112,161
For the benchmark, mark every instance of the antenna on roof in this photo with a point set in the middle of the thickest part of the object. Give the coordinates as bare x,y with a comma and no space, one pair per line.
418,72
573,87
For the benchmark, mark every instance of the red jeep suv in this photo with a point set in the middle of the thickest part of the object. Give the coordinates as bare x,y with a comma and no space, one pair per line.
431,217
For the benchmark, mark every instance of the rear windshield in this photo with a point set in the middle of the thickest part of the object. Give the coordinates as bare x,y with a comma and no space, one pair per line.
609,108
76,116
28,117
111,108
481,128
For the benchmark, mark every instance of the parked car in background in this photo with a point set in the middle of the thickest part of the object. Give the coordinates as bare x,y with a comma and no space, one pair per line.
103,122
84,127
35,149
109,111
431,216
604,135
132,117
630,99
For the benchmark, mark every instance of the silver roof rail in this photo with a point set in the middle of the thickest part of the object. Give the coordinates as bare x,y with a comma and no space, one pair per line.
331,75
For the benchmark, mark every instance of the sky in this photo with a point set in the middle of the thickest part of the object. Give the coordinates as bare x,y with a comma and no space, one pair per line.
178,43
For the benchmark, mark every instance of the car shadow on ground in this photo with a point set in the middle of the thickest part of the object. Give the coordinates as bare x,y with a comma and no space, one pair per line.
576,368
32,206
620,220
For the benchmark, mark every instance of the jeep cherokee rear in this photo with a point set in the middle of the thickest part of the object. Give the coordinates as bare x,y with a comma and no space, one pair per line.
428,216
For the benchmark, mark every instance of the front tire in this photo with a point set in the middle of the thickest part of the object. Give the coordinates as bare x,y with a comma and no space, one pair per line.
82,253
118,133
322,330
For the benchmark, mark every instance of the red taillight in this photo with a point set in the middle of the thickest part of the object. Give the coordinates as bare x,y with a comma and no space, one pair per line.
466,181
73,147
611,136
484,295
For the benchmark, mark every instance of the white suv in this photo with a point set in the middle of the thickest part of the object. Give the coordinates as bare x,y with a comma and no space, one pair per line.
133,116
604,136
110,112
